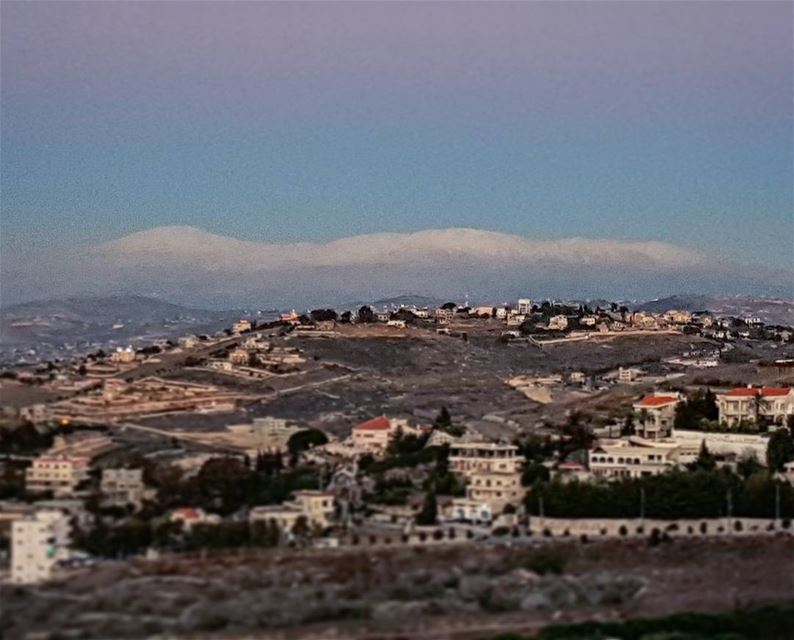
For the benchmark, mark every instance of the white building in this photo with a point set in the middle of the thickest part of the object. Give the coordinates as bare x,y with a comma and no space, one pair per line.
466,510
629,374
524,306
636,458
38,542
121,487
756,404
738,445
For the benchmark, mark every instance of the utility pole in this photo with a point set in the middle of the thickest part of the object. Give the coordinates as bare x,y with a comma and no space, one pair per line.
777,502
642,505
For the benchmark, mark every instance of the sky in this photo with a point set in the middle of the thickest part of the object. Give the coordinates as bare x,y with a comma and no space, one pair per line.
282,122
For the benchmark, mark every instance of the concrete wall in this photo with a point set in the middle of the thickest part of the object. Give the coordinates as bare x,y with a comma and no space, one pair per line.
619,527
724,443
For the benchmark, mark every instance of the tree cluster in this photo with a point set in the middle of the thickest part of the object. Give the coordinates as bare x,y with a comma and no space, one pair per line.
698,407
678,494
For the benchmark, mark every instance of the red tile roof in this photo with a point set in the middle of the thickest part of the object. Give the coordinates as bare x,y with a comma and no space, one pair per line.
381,423
570,466
746,392
657,401
187,513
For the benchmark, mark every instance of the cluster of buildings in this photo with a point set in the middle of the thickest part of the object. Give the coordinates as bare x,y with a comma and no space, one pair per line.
256,357
120,400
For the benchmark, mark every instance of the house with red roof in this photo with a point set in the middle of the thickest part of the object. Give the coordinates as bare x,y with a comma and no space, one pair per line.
190,516
768,405
656,415
373,436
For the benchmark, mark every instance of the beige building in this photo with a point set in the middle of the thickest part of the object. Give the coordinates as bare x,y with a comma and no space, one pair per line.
656,415
373,436
558,323
756,404
636,458
239,357
58,473
123,356
677,317
241,326
492,472
38,542
317,507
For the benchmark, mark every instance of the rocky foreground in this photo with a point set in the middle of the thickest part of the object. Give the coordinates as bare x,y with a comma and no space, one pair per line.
455,591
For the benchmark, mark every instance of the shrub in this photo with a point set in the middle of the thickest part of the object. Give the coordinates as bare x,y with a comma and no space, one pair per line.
544,562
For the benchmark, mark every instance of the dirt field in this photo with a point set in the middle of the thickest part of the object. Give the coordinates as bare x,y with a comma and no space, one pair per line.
453,592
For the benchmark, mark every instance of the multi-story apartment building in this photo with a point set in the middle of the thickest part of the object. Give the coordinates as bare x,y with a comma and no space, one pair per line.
38,542
634,458
59,473
524,306
492,471
756,404
120,487
656,415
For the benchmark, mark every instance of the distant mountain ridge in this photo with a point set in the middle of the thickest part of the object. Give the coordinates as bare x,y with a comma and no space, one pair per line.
116,318
106,305
769,310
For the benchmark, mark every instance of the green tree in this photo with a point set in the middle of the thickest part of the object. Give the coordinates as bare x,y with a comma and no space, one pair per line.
428,515
319,315
705,460
628,425
306,439
366,315
780,449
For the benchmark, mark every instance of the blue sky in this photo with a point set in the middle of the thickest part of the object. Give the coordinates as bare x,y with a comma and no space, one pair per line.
277,122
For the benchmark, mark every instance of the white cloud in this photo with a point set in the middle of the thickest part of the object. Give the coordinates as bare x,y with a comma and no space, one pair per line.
191,247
